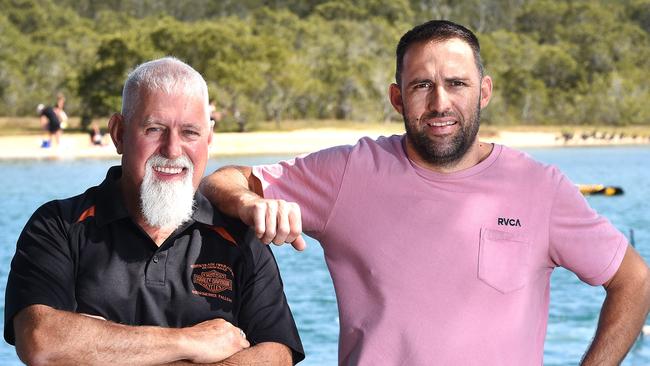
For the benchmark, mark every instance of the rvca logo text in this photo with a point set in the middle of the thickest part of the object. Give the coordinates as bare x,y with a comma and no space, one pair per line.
504,221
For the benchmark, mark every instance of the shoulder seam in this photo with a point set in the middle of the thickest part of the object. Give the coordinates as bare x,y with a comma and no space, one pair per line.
338,191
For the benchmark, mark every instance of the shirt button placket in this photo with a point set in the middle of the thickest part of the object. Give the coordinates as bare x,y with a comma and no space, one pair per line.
155,273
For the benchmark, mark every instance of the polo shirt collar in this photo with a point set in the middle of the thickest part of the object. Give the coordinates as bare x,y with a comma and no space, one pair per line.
205,213
110,203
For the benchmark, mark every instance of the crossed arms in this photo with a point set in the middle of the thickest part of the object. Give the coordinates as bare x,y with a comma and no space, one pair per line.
46,336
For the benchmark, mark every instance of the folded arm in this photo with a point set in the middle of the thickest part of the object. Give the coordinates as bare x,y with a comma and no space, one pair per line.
269,353
46,336
623,313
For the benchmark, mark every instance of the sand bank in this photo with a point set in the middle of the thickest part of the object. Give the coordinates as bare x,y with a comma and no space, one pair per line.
284,143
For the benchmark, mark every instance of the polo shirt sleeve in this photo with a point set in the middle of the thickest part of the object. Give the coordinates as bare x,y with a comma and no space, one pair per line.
265,315
313,181
42,270
581,240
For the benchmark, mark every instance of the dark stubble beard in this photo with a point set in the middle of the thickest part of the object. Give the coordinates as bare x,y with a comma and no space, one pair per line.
447,154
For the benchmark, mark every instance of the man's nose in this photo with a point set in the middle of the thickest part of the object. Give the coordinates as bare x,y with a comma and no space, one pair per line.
438,100
171,146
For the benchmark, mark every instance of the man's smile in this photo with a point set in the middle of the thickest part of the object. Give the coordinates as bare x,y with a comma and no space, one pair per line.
169,170
440,125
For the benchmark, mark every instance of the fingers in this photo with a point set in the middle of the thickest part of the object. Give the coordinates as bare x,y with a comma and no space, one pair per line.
236,334
299,243
214,340
259,219
238,337
284,232
276,221
243,342
270,221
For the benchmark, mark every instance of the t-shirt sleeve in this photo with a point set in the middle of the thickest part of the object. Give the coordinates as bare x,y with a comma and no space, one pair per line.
42,270
265,315
581,240
313,181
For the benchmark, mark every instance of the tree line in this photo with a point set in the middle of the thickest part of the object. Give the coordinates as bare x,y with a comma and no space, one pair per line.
553,62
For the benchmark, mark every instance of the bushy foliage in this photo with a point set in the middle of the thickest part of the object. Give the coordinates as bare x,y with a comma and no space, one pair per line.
560,61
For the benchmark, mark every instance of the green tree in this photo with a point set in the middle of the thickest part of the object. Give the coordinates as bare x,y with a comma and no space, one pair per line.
100,84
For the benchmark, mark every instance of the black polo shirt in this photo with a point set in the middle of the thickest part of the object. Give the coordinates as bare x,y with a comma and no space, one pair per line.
85,254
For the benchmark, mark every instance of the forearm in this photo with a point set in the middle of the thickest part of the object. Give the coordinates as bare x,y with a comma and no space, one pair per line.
268,353
53,337
229,187
622,316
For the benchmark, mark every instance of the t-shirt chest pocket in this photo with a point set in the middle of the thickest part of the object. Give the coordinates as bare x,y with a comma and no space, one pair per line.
503,260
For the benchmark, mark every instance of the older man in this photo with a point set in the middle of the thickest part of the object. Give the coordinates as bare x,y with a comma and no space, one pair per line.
440,245
140,269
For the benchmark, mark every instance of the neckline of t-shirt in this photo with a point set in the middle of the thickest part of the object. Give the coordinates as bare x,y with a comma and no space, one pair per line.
466,173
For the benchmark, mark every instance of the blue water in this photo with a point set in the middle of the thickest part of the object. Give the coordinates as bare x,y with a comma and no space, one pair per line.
574,306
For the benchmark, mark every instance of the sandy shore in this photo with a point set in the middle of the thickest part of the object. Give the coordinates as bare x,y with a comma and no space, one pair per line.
284,143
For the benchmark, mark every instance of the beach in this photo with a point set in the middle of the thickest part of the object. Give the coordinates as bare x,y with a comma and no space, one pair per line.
77,145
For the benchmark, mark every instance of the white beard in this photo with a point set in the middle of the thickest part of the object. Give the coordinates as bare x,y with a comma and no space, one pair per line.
167,204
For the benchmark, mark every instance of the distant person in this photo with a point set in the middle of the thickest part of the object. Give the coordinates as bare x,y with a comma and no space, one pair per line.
96,135
142,269
60,111
51,123
215,114
441,246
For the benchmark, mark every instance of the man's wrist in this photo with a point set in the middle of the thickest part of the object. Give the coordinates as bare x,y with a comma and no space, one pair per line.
247,198
181,343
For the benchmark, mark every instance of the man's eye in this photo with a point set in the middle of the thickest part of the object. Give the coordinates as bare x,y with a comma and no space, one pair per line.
424,85
457,83
149,130
191,133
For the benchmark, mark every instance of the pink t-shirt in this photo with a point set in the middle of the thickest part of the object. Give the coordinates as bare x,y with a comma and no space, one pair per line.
443,269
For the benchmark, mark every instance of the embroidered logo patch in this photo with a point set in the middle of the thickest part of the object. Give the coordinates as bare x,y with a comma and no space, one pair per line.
212,280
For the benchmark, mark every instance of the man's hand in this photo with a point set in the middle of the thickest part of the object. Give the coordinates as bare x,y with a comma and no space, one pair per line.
274,221
238,193
213,341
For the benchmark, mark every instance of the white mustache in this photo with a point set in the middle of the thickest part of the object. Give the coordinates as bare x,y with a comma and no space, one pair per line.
180,162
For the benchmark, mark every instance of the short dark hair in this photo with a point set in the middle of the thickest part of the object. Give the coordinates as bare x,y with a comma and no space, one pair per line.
436,30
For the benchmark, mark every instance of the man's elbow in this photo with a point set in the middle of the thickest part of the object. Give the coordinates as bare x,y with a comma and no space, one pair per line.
33,348
34,344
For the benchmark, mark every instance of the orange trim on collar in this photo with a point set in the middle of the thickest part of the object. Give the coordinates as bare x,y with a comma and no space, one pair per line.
224,233
90,212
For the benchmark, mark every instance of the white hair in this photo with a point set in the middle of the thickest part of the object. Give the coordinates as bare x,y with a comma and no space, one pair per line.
168,75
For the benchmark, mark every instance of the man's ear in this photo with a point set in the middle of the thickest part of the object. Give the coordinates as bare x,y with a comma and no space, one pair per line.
116,129
395,95
486,91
